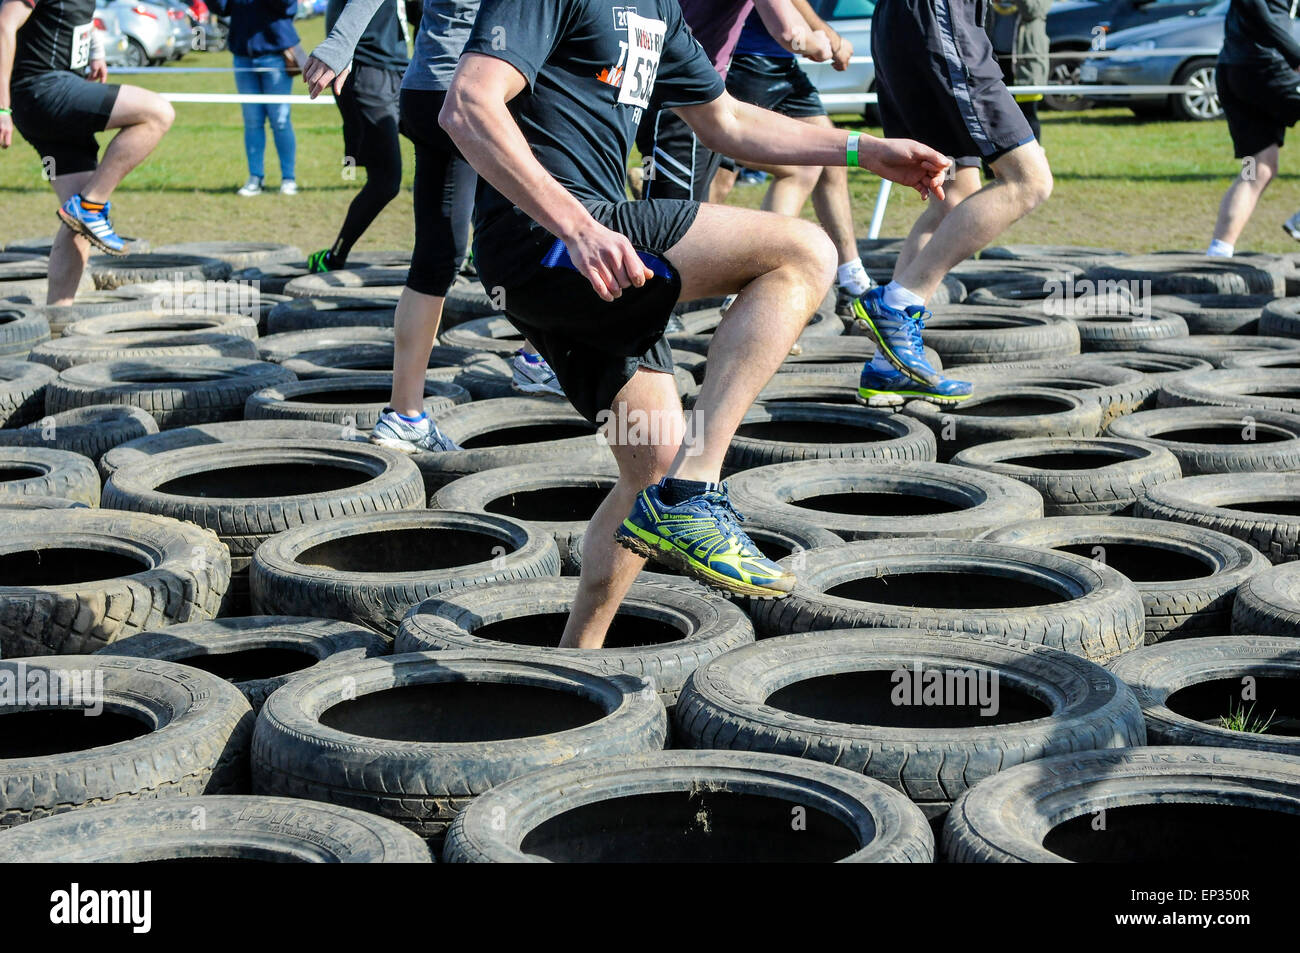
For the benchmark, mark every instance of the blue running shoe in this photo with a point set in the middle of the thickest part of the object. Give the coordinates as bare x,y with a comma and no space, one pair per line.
702,537
93,225
891,388
897,334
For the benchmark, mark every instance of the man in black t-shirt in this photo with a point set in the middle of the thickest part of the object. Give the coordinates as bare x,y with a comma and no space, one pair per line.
545,104
45,45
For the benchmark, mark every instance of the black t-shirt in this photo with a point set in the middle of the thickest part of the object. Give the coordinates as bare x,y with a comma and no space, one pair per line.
1258,33
55,37
593,67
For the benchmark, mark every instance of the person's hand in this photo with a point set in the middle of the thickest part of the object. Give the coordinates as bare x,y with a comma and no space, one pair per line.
317,76
843,53
814,45
606,259
6,130
98,72
906,162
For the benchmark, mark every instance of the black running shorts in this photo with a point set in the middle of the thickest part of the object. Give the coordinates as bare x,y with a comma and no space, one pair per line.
1260,103
58,113
777,83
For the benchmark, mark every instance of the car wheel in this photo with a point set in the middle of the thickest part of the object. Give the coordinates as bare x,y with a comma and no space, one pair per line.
1201,102
135,56
1066,73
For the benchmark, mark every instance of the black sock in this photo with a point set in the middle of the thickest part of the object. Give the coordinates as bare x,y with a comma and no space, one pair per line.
673,491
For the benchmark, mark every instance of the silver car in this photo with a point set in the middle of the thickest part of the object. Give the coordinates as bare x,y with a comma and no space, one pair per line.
113,39
852,20
148,31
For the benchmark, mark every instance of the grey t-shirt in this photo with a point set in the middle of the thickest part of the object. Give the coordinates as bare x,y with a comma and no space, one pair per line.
445,26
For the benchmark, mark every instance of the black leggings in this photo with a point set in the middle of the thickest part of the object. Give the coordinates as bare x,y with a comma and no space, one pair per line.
444,195
369,110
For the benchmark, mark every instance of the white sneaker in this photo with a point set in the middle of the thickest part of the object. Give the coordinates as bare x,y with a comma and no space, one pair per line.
288,187
1292,226
252,187
534,376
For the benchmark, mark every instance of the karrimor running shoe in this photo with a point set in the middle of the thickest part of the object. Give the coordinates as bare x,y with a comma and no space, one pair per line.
892,388
410,435
701,537
93,224
897,334
318,263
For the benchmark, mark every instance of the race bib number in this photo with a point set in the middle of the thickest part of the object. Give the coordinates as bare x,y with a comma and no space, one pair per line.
81,46
645,46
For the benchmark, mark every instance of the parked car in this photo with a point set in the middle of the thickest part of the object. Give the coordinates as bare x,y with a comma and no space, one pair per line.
113,39
182,23
852,20
1082,25
148,31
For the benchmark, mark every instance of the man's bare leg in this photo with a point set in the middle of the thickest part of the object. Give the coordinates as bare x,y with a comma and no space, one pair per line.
69,252
1243,195
965,183
415,326
1024,181
720,188
144,117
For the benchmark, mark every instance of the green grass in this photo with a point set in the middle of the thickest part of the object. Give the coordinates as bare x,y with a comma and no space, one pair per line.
1243,719
1137,186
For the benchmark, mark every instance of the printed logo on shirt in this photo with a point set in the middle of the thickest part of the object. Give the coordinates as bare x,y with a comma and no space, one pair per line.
620,16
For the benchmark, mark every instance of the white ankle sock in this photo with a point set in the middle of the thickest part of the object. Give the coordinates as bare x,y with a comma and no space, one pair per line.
853,278
1219,249
898,297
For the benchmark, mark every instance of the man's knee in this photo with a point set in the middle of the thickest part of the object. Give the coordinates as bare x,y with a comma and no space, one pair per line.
820,254
1036,184
164,113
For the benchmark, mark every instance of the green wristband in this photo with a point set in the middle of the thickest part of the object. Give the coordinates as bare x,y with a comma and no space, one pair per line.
4,111
852,150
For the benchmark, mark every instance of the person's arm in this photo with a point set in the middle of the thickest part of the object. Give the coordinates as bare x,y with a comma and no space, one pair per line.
792,31
750,134
98,66
332,58
13,14
478,120
841,48
1271,29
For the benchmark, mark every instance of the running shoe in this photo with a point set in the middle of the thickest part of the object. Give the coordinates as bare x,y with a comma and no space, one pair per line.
318,263
410,436
1292,226
702,537
532,375
92,225
844,299
252,187
288,187
897,334
892,388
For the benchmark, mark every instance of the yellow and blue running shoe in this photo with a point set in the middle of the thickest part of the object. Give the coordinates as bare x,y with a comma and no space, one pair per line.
888,387
897,334
701,536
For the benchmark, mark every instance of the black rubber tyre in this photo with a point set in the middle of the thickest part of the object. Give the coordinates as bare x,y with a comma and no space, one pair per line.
1157,367
1269,603
660,633
237,255
272,277
373,569
467,299
1119,390
496,335
1249,388
22,391
822,355
357,401
1278,360
378,281
875,500
1264,510
256,654
249,491
1082,255
1122,333
813,388
176,393
511,431
1218,439
1077,476
1216,348
1179,274
687,814
90,431
1007,412
1047,811
142,346
780,433
1093,612
89,304
1217,314
40,503
196,736
143,449
807,696
133,322
20,331
1281,318
550,501
114,271
315,314
1211,676
987,272
38,471
233,827
462,738
1188,576
288,345
980,335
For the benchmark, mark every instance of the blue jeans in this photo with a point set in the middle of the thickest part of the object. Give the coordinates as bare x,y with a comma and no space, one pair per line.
275,83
